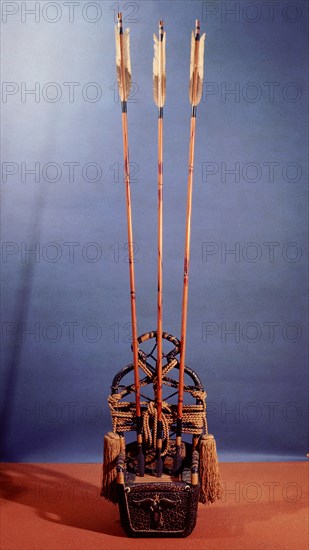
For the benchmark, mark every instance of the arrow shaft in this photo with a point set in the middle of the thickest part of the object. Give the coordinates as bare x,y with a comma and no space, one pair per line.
131,260
125,140
186,270
160,268
159,463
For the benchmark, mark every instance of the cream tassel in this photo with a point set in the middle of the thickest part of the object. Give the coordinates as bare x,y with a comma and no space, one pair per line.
210,479
112,447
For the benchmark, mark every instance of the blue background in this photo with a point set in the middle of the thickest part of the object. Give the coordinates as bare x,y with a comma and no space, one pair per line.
56,380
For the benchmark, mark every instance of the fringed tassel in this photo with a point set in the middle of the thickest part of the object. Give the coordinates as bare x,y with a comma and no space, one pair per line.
210,480
112,447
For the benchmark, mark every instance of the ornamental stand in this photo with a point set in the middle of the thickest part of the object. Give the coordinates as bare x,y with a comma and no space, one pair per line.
165,506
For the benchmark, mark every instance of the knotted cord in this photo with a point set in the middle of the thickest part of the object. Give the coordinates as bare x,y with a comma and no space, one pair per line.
123,413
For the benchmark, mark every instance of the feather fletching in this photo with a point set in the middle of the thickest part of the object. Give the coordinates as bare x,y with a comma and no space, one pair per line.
124,87
196,69
192,55
155,68
117,43
159,68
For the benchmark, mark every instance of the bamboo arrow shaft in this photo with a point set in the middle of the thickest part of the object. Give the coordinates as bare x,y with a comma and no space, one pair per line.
160,268
124,81
131,261
159,463
186,269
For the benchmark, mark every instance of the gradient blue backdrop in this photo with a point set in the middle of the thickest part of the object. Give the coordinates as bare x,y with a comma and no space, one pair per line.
56,379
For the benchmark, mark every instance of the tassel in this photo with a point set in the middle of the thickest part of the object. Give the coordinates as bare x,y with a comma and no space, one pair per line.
112,447
210,479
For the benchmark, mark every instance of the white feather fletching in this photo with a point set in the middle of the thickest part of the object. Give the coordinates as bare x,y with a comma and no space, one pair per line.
124,87
192,55
196,69
159,70
201,57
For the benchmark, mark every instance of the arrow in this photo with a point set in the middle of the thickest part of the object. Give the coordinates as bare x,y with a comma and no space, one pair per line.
195,94
159,91
123,66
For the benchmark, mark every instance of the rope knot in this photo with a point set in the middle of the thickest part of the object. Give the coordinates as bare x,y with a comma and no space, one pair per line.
151,417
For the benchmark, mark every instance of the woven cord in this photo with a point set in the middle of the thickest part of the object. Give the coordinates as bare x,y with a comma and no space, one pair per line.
150,416
123,413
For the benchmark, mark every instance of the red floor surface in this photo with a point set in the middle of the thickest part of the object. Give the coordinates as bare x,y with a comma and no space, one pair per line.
57,506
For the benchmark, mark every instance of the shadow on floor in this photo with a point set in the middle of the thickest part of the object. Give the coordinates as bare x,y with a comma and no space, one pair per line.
60,498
